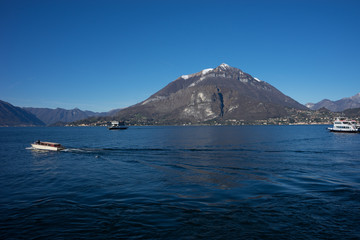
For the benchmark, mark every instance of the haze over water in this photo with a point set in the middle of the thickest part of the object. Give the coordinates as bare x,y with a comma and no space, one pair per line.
217,182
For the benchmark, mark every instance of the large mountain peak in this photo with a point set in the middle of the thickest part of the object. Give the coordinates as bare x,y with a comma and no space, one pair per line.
222,93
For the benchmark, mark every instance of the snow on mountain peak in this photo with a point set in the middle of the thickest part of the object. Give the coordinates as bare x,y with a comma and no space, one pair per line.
185,77
205,71
224,65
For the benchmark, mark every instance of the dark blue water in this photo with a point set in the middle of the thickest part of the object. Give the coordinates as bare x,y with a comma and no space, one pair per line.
244,182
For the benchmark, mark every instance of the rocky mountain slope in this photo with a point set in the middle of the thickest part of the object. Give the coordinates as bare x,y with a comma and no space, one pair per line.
219,94
337,106
15,116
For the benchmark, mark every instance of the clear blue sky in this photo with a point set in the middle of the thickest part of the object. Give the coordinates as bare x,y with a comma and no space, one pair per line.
101,55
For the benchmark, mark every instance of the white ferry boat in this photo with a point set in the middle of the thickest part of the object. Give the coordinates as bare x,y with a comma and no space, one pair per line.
115,125
343,124
51,146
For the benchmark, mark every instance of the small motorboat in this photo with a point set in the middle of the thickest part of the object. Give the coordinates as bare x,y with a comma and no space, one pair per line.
51,146
115,125
345,125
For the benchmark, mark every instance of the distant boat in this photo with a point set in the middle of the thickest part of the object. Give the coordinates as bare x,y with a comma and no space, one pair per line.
115,125
51,146
345,125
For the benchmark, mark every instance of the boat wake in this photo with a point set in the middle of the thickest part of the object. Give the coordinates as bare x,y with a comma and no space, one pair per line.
74,150
239,150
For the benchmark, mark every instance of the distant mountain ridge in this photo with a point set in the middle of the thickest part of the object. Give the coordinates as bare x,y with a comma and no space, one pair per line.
28,116
222,93
337,106
51,116
11,116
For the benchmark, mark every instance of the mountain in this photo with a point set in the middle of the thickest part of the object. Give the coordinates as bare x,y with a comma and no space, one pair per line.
51,116
352,112
220,94
337,106
113,112
14,116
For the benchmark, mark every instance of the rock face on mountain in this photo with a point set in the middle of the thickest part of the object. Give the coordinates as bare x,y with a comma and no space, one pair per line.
337,106
223,93
51,116
11,116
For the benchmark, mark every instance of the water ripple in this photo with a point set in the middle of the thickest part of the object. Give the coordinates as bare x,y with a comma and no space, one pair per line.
259,182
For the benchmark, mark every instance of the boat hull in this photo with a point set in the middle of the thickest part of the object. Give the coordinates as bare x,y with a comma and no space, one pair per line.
47,148
118,128
343,131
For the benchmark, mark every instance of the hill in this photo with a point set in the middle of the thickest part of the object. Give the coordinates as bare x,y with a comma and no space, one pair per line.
11,116
52,116
352,113
337,106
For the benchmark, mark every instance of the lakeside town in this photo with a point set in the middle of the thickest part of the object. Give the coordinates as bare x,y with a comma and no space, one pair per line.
296,117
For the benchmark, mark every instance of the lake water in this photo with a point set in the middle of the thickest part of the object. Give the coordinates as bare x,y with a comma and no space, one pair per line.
195,182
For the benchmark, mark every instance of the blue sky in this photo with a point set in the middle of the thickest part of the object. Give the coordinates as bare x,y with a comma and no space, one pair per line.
102,55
